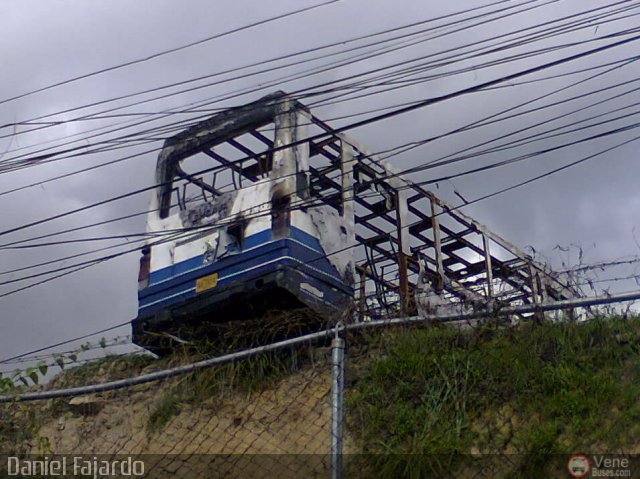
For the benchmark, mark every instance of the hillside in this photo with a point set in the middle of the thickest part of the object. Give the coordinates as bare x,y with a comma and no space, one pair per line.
421,402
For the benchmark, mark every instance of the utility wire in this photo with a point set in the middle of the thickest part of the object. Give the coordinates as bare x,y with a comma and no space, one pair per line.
167,52
341,64
272,60
242,92
376,118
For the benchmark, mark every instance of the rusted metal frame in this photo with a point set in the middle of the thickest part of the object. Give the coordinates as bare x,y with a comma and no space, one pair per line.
403,250
234,166
452,258
453,243
332,183
196,181
384,216
334,160
456,237
380,233
535,292
471,223
381,259
329,186
326,170
379,214
376,209
381,292
389,256
452,286
385,235
362,290
268,156
474,269
315,149
247,171
259,136
457,276
386,283
437,242
507,274
518,276
347,210
209,133
318,148
488,266
457,289
325,126
419,228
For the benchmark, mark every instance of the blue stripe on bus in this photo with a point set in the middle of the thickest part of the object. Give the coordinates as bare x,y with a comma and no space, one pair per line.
259,240
186,290
301,250
247,260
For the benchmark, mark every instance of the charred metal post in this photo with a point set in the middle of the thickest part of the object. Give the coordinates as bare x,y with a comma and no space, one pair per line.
289,165
535,291
437,242
403,249
337,402
362,300
284,159
488,265
347,165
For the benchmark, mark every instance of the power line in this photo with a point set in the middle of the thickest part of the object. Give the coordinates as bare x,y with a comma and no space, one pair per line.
298,76
474,125
167,52
483,168
275,59
376,118
62,343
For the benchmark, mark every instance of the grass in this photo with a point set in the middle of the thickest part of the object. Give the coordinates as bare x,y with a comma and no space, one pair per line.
208,386
246,376
428,397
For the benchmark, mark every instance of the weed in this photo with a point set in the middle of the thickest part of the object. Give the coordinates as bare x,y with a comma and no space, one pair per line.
168,407
440,392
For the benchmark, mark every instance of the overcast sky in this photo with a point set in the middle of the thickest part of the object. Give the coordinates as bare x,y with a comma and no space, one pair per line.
594,204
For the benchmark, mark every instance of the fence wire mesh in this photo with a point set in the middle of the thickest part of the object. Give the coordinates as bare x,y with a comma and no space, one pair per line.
214,423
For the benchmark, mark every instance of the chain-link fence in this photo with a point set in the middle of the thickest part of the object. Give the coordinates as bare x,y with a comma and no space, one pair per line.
266,416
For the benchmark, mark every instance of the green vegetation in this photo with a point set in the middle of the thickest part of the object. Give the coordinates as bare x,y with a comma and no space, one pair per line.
249,375
424,399
207,386
168,407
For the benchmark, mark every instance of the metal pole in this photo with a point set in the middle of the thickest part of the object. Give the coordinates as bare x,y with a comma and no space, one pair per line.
337,403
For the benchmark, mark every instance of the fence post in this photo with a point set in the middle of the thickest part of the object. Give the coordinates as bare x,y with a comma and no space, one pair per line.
337,402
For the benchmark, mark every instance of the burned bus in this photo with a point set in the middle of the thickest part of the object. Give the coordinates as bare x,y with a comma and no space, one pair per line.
242,235
266,207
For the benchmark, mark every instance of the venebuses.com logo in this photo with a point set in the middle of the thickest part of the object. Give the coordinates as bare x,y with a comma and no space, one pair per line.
578,465
599,465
